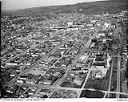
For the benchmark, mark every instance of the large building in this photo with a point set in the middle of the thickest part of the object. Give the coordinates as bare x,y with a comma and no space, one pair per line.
100,65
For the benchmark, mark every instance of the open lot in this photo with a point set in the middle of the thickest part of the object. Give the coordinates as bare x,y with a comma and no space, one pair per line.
91,94
75,81
99,84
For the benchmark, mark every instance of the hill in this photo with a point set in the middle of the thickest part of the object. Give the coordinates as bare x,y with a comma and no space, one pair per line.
99,7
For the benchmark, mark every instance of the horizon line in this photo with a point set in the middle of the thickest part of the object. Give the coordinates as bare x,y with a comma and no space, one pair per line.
9,10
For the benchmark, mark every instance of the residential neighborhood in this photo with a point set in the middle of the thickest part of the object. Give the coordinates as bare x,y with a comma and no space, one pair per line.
68,56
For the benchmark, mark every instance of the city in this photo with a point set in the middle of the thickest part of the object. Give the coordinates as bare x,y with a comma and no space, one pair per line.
67,56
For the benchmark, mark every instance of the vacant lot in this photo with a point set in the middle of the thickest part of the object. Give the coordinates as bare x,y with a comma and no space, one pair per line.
92,94
99,84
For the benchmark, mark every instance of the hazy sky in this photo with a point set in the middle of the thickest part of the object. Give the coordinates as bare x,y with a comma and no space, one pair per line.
21,4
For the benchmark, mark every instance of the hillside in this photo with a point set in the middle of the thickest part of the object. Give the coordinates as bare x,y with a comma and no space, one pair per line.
99,7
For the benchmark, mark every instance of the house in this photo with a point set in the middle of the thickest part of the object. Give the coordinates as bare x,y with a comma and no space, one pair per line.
13,74
47,82
92,45
79,65
33,88
71,29
70,24
85,70
9,91
101,34
31,93
24,77
93,21
98,74
20,81
56,74
44,91
99,64
99,59
107,24
28,64
83,57
89,25
94,40
31,81
77,81
11,64
41,81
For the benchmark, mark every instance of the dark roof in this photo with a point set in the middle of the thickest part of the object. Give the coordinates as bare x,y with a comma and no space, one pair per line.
99,64
99,59
94,40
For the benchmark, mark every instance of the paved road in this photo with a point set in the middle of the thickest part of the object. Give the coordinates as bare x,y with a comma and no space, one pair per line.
40,86
117,31
118,76
88,74
109,87
85,81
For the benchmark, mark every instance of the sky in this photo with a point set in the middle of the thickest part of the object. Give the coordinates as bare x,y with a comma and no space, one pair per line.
22,4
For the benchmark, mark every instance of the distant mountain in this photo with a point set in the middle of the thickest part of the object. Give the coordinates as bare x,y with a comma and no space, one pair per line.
99,7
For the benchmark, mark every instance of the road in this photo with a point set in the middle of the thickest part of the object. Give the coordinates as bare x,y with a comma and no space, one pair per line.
118,76
88,74
118,31
109,87
40,86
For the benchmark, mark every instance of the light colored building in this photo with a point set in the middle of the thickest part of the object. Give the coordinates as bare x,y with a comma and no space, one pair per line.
70,23
11,64
77,81
20,81
47,82
99,71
